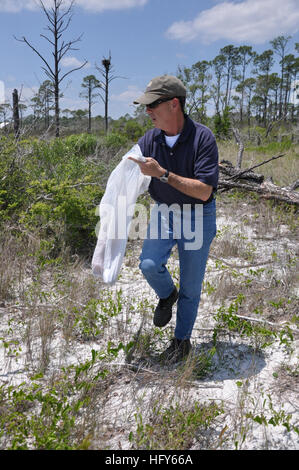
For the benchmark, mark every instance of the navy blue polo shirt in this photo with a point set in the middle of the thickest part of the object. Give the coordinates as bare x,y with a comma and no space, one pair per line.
194,155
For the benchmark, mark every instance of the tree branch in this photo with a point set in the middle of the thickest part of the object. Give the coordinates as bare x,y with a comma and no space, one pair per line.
238,174
50,75
65,47
33,48
49,40
76,68
266,190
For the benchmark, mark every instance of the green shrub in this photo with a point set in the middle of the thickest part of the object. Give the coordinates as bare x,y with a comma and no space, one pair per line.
63,213
51,189
115,140
82,144
175,427
133,130
222,124
13,179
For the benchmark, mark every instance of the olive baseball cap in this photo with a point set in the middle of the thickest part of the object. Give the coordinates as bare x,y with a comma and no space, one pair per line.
165,86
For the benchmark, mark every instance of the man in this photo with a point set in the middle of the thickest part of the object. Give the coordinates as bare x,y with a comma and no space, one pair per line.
182,159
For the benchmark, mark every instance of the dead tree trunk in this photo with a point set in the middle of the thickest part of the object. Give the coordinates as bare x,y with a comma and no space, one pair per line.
241,147
16,116
59,15
107,65
107,73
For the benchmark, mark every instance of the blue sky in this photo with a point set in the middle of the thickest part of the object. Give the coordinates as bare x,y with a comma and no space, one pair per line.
146,38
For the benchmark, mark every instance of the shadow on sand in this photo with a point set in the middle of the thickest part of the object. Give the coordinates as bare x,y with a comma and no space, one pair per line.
229,361
207,362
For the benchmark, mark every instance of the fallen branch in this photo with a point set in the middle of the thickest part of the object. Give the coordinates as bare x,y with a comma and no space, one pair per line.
261,320
293,186
243,172
266,191
247,180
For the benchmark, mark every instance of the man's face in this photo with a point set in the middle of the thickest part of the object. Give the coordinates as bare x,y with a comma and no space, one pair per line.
161,115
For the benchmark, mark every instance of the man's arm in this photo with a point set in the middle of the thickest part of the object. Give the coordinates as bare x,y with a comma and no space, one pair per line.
189,186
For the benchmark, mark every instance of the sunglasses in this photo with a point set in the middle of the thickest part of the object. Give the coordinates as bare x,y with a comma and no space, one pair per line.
157,102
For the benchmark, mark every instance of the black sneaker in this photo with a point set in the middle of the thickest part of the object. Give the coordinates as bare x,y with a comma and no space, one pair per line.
177,351
163,310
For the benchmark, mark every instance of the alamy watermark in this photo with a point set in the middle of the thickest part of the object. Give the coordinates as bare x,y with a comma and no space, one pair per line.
130,221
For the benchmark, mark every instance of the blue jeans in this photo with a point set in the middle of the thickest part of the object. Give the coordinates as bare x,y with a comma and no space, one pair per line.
192,262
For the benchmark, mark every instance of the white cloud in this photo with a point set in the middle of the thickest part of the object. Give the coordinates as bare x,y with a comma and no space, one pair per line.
14,6
122,103
101,5
72,62
72,103
127,96
25,93
255,21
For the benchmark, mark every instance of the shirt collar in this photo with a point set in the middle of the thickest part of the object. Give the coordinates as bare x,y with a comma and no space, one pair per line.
188,126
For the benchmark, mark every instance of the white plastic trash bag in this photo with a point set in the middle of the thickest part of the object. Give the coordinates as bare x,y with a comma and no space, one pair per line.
125,184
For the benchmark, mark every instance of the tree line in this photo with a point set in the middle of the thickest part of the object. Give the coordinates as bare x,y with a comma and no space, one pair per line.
237,81
241,81
59,16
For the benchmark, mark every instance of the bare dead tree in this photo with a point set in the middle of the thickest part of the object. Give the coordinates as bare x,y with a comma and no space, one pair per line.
16,116
240,143
107,73
59,17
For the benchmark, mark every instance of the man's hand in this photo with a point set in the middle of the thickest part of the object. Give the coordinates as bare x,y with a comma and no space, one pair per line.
190,187
150,167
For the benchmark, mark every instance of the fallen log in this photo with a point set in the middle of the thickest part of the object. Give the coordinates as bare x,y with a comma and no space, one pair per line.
246,180
232,173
